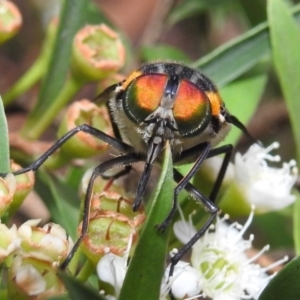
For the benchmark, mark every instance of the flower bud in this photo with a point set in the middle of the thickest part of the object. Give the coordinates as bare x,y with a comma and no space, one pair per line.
113,201
10,20
110,195
101,184
7,190
108,232
9,241
84,145
31,278
97,52
24,184
49,243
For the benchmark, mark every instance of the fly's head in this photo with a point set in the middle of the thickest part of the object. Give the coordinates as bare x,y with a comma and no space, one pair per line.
168,102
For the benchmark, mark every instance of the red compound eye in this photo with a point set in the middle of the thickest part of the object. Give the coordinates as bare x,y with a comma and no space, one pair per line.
143,96
192,109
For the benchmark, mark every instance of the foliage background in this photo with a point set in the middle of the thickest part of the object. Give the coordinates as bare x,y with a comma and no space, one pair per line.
251,71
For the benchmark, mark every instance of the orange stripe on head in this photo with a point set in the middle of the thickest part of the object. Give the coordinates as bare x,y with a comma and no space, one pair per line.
131,77
215,102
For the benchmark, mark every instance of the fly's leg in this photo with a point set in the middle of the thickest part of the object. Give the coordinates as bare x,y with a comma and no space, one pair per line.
103,167
83,128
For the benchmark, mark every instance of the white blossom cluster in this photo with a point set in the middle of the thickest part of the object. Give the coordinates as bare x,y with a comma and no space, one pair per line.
219,267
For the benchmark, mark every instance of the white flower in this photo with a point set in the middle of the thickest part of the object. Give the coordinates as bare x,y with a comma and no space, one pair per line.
9,241
49,243
267,188
34,278
226,271
112,269
185,281
7,191
29,279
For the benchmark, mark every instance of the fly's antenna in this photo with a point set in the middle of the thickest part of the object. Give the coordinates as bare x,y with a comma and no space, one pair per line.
237,123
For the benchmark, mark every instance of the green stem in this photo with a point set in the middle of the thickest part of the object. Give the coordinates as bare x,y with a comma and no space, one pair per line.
37,70
34,127
85,271
31,77
73,265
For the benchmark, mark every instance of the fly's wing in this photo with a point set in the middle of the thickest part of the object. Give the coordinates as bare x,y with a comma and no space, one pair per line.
104,97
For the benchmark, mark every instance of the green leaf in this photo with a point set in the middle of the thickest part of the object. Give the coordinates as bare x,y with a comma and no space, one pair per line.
275,228
189,8
296,219
255,11
163,52
146,268
71,19
241,98
77,290
95,16
4,144
285,285
234,58
285,40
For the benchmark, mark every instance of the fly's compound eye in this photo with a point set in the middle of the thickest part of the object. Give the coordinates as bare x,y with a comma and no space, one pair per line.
192,109
143,95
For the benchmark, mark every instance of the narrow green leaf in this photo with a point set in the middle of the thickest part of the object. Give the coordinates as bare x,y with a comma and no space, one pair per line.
77,290
4,144
71,19
234,58
296,219
285,285
146,268
163,52
285,40
189,8
255,11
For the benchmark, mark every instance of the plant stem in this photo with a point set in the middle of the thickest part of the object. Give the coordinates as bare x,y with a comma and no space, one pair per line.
33,128
85,271
36,71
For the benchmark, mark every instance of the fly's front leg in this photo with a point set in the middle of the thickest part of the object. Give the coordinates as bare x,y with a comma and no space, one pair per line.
182,182
103,167
84,128
227,150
